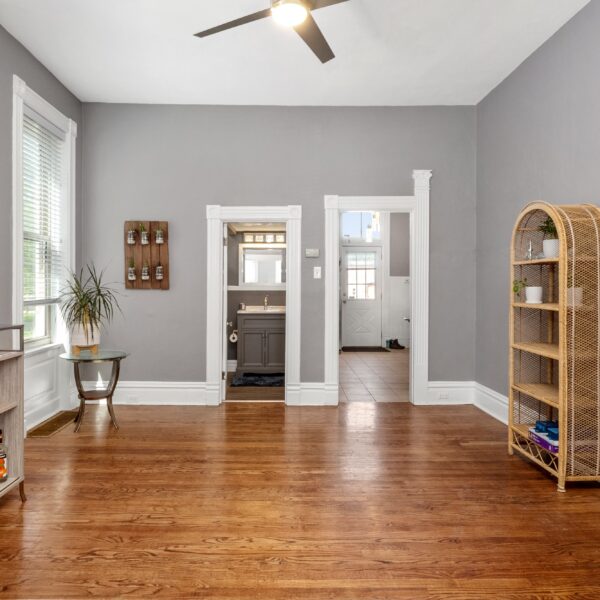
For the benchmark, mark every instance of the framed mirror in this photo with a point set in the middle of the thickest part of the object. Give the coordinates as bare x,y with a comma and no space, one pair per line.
262,264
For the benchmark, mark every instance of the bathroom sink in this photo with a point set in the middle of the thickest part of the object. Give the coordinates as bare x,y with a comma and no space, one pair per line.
262,309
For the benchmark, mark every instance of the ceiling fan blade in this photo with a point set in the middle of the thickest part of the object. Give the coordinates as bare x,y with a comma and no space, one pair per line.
323,3
309,31
231,24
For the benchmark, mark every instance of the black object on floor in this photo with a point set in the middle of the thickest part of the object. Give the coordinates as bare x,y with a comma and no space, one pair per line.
364,349
259,380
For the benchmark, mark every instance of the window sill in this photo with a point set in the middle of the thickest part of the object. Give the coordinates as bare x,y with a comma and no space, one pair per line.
42,349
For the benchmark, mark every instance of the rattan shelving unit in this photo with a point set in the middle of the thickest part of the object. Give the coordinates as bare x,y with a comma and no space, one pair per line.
554,357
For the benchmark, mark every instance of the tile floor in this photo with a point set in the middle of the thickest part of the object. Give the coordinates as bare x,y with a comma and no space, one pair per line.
374,376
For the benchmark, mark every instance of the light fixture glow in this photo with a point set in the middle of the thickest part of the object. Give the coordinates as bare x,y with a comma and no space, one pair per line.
289,13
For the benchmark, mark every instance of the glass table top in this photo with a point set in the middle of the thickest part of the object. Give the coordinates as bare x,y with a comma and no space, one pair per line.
91,357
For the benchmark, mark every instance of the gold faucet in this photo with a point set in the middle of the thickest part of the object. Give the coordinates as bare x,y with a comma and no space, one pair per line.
266,302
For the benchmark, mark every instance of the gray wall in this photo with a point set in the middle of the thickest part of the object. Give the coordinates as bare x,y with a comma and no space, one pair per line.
399,244
169,162
538,139
15,59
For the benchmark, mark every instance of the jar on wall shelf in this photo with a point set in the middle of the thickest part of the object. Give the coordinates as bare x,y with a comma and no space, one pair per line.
159,273
144,235
159,237
145,272
131,237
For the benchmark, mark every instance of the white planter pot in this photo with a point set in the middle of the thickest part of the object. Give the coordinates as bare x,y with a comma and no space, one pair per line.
144,238
574,296
551,248
533,294
79,337
131,273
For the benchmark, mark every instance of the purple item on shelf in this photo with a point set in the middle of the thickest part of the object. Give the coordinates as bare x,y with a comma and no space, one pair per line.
542,440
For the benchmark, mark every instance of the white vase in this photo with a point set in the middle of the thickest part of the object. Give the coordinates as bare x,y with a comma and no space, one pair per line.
551,248
574,296
80,339
533,294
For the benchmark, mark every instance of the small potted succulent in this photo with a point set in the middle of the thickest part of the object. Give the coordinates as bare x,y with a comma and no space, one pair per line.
86,304
144,235
131,237
131,276
533,293
159,273
145,272
159,236
550,244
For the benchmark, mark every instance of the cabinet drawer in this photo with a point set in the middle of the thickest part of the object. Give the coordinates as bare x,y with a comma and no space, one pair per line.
262,322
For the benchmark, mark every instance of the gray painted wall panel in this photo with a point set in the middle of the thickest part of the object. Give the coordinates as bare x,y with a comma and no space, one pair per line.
399,245
15,59
538,139
169,162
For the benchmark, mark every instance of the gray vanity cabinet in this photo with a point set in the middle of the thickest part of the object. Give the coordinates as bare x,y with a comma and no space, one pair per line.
261,343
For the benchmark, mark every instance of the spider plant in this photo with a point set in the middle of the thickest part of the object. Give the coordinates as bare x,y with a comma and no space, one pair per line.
87,302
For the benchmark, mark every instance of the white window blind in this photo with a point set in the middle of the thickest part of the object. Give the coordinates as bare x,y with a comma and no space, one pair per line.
42,252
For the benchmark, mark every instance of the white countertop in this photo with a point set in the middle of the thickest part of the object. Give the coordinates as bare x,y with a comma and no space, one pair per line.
270,310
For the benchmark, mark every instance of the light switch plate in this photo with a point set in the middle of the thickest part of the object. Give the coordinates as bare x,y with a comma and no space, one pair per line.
311,253
317,272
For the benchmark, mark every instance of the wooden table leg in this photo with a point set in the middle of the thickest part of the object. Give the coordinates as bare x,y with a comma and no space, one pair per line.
114,379
81,392
22,491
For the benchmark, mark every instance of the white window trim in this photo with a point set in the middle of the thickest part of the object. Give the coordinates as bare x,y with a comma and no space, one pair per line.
24,96
418,208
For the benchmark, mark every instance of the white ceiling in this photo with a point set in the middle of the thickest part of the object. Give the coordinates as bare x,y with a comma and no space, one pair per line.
388,52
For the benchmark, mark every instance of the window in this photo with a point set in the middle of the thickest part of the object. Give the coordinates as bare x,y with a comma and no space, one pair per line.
42,190
361,270
44,142
360,227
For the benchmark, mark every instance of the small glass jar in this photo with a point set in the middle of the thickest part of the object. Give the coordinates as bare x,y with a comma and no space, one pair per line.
160,273
145,273
144,237
131,237
159,237
131,273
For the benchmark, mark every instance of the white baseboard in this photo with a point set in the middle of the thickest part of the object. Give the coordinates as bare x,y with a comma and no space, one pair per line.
312,394
491,402
449,393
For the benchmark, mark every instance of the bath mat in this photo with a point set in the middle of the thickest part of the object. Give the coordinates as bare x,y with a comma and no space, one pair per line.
364,349
259,380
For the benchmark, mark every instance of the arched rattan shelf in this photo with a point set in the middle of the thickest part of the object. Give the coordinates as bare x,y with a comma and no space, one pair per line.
554,356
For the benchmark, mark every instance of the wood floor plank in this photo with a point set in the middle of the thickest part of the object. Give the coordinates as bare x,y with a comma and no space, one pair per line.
368,500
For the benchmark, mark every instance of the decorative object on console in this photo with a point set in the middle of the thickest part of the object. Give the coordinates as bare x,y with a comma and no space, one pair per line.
86,304
554,365
550,245
149,257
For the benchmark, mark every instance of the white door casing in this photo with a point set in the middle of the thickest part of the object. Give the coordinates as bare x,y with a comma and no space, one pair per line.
217,216
417,206
361,296
225,328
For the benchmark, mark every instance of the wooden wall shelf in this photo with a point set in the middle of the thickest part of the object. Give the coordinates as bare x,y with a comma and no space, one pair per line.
554,368
151,254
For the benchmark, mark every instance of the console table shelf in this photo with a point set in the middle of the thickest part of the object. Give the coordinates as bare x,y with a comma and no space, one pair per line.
553,358
11,409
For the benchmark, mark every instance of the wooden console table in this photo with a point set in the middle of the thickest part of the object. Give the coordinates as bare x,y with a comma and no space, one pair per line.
102,356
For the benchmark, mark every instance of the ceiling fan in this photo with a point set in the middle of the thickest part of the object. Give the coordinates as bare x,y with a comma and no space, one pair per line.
290,13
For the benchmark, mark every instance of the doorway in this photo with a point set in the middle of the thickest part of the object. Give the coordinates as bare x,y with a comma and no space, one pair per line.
218,218
417,207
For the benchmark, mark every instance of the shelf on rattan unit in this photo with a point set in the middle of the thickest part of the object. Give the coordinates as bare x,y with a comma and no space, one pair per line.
536,261
540,456
544,392
543,306
539,348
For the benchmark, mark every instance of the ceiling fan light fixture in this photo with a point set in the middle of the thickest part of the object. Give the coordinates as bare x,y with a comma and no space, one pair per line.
289,13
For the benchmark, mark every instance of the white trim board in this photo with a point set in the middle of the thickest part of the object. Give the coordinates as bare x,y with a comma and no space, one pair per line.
418,208
216,217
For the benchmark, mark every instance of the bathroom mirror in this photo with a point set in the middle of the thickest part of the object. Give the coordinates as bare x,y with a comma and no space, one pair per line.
262,264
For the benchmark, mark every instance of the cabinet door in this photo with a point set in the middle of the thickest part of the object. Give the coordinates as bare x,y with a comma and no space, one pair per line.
251,350
275,349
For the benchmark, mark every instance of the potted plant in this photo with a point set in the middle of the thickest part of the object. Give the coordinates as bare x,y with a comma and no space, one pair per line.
144,236
159,236
86,304
159,274
131,270
533,293
131,237
145,272
550,244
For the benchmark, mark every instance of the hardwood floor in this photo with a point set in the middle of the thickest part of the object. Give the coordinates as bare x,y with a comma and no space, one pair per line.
260,501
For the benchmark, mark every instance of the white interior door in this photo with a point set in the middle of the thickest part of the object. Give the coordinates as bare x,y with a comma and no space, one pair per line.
225,328
361,296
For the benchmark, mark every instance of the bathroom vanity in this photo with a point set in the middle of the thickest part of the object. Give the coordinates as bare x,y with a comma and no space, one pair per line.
261,343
